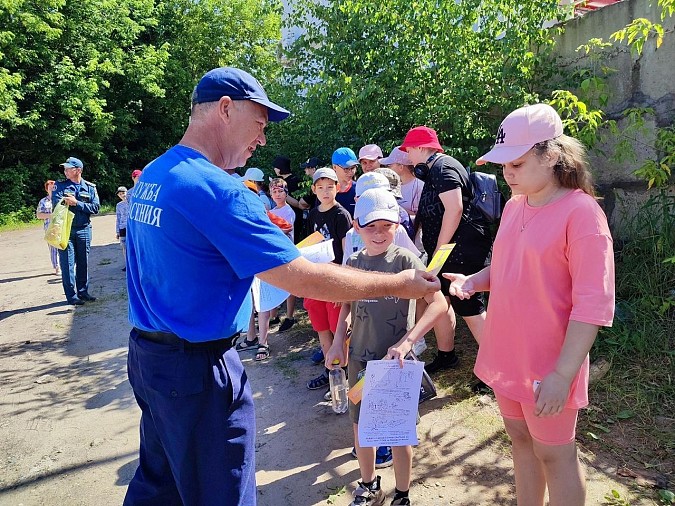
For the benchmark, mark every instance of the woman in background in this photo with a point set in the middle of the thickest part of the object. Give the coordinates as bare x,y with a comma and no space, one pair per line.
44,213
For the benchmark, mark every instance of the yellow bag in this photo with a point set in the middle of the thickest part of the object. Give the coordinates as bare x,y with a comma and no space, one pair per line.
60,223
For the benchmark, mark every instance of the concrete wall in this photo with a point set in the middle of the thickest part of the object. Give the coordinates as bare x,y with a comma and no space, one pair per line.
644,81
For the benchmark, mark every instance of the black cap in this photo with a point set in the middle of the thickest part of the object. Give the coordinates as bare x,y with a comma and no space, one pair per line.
312,162
283,163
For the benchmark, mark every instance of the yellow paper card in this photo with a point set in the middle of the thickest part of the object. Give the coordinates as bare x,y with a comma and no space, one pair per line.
356,392
439,258
311,240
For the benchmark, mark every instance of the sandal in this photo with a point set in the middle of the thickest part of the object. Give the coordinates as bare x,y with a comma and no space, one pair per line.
246,345
320,381
263,352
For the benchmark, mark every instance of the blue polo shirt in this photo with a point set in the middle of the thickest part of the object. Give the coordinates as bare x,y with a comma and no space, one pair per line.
196,236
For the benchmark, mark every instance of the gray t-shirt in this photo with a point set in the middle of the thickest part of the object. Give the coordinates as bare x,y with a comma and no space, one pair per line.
379,323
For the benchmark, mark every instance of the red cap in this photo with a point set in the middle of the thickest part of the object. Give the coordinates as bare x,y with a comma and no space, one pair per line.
421,137
136,173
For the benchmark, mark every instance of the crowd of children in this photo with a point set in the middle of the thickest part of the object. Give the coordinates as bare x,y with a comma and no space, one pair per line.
550,275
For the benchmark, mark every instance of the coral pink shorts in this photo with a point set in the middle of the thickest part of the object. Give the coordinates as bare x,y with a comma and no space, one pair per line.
548,430
322,315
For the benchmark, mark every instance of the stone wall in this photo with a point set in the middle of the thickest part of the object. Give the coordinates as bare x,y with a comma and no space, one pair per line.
644,81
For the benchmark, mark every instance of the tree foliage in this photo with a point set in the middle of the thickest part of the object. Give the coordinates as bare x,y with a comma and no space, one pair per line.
109,81
367,73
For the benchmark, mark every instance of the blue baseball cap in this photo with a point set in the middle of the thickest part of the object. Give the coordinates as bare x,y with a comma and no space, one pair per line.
344,157
72,163
238,85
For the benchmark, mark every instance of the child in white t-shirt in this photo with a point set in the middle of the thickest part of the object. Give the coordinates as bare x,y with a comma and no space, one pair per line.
279,192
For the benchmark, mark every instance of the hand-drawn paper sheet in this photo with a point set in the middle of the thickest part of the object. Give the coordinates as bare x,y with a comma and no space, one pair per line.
389,405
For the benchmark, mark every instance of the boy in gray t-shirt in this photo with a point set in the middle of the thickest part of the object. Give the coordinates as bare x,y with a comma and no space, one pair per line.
382,328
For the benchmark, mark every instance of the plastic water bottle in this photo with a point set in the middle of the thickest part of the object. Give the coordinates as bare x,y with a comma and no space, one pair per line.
338,389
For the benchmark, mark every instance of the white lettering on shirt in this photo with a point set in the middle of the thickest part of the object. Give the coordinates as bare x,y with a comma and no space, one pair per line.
146,213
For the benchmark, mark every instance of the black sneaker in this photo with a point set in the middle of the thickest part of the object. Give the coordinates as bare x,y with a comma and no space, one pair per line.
286,324
441,363
86,297
275,321
400,501
75,301
479,387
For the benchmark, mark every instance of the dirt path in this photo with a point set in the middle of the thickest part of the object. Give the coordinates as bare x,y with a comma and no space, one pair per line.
69,423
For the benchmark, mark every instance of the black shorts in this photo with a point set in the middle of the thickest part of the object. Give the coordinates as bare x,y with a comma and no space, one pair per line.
463,307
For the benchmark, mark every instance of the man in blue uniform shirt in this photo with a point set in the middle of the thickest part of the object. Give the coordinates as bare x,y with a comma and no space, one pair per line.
195,238
81,197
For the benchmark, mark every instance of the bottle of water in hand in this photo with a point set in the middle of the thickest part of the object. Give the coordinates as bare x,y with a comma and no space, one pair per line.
338,389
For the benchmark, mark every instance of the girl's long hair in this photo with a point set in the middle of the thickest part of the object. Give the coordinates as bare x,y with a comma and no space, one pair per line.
571,170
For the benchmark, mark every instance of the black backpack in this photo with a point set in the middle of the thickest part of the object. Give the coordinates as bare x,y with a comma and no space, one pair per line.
487,197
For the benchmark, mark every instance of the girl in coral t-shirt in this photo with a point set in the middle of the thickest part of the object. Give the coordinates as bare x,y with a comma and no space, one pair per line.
552,287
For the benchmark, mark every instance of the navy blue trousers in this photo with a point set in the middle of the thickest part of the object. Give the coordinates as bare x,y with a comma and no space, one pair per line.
74,269
197,426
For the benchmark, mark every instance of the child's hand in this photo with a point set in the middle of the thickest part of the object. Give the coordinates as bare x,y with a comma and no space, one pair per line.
399,351
461,287
334,356
551,395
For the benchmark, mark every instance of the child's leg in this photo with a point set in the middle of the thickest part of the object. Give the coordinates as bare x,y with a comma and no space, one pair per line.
544,454
54,257
445,329
476,324
250,335
366,456
123,243
326,340
263,326
402,466
290,306
318,317
530,479
564,477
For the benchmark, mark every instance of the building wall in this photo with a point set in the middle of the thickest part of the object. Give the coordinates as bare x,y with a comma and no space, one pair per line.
644,81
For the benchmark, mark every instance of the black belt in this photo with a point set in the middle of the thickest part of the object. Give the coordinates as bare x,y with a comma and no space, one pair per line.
173,339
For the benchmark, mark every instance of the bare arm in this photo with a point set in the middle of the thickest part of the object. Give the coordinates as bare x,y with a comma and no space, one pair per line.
301,204
437,307
292,201
331,282
552,393
452,202
337,350
465,286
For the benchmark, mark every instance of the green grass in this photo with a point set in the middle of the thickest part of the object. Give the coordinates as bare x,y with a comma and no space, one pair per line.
19,219
25,218
285,364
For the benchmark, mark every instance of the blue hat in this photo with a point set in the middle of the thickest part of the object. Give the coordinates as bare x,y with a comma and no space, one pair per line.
238,85
344,157
72,163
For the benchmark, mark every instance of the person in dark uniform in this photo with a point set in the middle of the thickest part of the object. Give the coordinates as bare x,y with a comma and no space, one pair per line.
81,197
195,238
